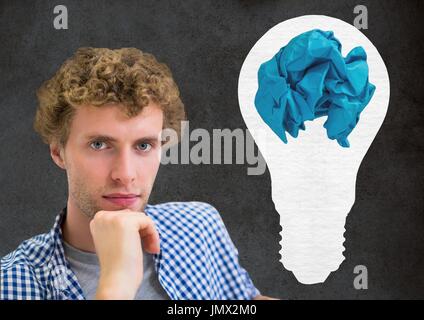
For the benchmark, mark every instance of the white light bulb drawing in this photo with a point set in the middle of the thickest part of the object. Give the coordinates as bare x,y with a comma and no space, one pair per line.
313,178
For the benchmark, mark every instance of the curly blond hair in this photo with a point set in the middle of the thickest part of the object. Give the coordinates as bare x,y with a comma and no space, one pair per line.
96,76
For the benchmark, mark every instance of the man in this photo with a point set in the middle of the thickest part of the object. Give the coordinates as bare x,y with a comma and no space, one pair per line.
102,115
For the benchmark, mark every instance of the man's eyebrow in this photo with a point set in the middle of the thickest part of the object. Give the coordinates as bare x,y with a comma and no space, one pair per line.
112,139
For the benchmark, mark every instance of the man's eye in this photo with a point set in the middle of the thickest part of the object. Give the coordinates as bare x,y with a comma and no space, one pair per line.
97,145
144,146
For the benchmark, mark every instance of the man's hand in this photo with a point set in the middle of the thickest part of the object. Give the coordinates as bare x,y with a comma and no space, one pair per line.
117,237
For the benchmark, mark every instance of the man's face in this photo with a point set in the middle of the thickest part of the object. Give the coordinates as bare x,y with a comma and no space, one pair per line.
112,160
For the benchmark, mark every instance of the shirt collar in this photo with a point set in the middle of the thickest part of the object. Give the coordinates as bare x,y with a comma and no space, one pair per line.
62,279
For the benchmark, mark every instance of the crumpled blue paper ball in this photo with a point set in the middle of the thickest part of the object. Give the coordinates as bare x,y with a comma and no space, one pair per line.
309,78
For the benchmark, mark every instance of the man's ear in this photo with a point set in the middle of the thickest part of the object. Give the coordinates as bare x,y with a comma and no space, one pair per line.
57,154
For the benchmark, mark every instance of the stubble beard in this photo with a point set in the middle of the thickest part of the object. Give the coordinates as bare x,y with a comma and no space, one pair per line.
87,203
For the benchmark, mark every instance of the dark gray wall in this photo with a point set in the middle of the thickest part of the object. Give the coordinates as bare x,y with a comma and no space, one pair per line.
205,43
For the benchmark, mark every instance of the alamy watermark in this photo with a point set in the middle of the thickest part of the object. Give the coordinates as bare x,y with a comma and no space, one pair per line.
360,282
61,17
60,21
221,146
361,20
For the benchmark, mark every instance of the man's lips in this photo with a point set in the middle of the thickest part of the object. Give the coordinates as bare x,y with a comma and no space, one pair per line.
122,198
121,195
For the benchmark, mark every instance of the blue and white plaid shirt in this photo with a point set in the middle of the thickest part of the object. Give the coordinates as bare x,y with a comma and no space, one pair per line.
197,259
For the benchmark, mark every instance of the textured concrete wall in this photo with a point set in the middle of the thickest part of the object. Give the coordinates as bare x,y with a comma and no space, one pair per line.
205,43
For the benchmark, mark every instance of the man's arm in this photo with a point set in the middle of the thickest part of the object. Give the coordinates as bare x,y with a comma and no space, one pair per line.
261,297
225,238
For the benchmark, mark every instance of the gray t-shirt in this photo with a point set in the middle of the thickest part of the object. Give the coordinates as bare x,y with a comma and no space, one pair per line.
87,270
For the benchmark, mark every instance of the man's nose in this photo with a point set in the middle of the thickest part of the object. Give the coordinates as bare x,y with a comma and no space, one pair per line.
124,169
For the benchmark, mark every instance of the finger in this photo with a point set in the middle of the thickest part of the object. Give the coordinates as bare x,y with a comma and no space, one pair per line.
148,232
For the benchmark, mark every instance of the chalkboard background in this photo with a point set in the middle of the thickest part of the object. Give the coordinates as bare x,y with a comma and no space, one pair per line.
205,43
